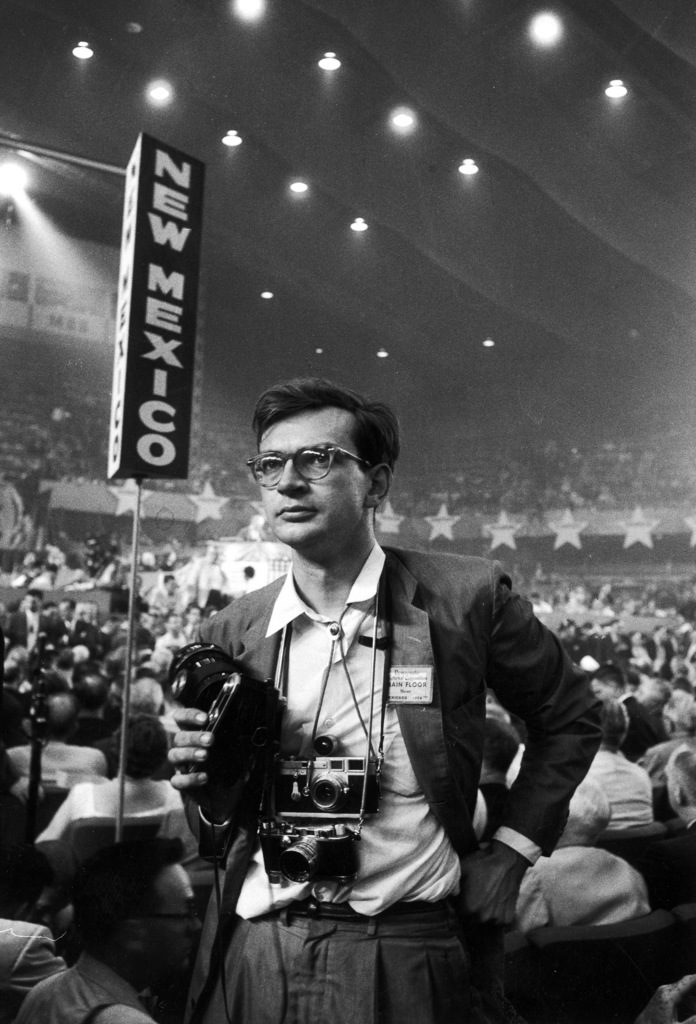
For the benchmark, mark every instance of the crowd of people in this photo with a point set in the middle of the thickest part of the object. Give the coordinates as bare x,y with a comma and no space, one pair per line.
585,732
50,436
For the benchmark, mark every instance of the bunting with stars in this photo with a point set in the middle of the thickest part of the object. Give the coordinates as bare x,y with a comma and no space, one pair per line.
127,496
567,531
208,503
441,524
387,519
502,533
639,529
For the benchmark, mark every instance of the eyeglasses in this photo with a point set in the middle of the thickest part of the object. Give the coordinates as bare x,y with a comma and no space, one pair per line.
310,463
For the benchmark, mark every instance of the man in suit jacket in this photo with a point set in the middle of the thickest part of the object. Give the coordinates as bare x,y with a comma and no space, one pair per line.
27,950
384,654
26,624
669,865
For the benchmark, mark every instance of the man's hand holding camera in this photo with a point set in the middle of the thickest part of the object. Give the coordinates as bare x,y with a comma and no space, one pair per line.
190,751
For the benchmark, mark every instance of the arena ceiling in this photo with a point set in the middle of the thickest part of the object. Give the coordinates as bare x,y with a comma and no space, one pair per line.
572,248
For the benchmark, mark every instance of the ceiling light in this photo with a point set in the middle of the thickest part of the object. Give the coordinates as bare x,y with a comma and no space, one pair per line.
249,10
299,187
359,224
160,93
266,295
319,351
546,28
616,89
382,353
232,138
83,51
489,343
134,27
402,120
13,179
468,166
329,62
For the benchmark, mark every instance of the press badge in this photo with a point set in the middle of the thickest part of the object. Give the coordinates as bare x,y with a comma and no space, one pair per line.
411,684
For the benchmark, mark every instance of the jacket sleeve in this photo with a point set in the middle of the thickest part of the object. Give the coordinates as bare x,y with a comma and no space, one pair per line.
533,677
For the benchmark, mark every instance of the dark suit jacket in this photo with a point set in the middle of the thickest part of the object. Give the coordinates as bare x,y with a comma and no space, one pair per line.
17,630
643,730
460,616
669,869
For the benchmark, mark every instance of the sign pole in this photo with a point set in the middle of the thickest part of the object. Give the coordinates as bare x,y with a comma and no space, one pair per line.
132,611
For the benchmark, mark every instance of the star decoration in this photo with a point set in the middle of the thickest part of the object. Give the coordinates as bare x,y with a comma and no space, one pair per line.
639,529
127,497
502,532
387,519
691,523
208,503
567,531
441,524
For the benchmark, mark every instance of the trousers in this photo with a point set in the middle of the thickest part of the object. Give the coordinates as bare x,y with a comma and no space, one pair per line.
288,969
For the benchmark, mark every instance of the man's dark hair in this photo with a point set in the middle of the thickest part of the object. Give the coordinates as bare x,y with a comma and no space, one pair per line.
90,686
613,719
116,884
146,746
500,744
610,672
376,430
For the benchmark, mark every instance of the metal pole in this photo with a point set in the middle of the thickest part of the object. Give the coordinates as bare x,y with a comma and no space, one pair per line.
17,144
125,712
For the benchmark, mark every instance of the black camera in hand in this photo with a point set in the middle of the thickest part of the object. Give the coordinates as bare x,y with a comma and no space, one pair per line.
244,718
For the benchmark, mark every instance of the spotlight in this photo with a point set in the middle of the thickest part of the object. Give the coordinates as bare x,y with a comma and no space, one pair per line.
83,51
249,10
616,90
160,93
546,29
299,187
13,179
232,138
329,62
468,167
402,120
359,224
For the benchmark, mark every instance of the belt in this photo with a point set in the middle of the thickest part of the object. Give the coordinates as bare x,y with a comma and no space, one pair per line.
344,912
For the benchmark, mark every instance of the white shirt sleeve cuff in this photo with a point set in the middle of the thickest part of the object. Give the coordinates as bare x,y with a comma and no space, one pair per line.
519,843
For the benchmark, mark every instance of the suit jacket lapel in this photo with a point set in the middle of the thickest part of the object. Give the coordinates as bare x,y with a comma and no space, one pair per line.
422,724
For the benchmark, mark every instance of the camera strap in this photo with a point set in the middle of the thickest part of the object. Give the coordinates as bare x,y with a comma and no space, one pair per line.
376,643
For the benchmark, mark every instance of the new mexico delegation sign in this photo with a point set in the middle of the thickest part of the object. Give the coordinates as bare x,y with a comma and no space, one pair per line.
152,391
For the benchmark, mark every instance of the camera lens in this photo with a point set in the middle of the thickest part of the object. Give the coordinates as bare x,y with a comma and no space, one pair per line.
299,861
328,792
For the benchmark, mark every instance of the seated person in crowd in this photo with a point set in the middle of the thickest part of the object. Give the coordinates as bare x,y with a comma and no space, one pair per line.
580,884
135,917
609,682
174,636
669,865
91,687
62,762
679,715
27,950
675,1001
500,746
627,786
144,796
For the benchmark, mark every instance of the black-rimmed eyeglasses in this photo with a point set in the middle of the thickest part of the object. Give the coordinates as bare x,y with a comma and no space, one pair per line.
313,463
